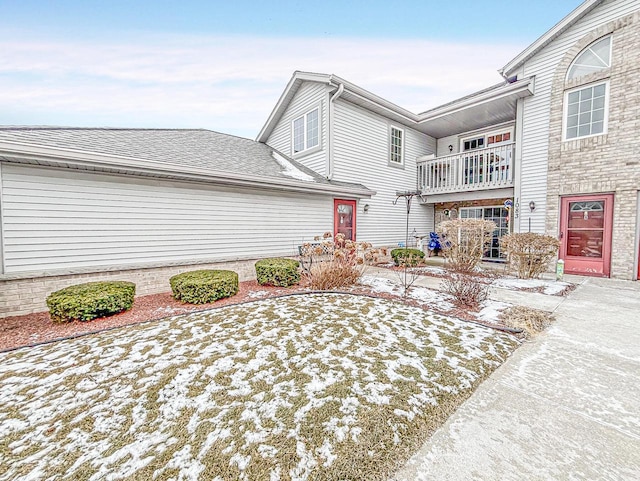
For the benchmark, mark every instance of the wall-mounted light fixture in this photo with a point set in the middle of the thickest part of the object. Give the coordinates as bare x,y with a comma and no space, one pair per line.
450,148
366,208
532,206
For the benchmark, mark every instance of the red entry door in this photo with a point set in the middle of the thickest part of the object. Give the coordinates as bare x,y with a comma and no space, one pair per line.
585,229
344,218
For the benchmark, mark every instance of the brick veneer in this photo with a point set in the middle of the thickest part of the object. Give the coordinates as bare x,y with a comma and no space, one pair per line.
608,163
24,296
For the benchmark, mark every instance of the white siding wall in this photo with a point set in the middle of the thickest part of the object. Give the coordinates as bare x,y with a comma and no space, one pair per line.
445,142
535,140
309,96
62,219
362,155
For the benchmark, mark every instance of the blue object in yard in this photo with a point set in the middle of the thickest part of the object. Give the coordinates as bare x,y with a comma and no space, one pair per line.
434,243
400,244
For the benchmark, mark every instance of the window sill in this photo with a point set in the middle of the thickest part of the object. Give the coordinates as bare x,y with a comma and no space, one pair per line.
304,153
584,142
396,165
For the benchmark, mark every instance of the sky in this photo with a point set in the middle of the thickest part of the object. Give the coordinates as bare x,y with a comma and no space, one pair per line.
222,65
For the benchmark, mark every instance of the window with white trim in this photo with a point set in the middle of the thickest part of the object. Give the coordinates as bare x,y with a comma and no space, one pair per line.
595,57
396,143
305,131
586,111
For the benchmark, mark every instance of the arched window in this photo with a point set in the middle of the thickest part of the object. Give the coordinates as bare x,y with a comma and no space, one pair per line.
596,56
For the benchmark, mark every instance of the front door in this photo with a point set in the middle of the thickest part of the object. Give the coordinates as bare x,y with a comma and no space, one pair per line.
344,218
585,232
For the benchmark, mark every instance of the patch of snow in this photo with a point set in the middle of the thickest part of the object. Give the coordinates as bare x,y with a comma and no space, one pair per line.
291,170
490,310
217,382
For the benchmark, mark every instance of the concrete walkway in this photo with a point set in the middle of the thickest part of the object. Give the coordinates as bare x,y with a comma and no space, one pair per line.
565,406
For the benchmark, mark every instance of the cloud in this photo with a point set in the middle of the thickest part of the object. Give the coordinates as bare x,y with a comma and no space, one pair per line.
224,83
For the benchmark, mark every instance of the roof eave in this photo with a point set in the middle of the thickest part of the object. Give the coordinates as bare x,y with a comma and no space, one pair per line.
297,78
549,36
31,154
525,85
331,80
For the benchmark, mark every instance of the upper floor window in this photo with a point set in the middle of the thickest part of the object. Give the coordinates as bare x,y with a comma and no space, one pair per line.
596,56
396,143
586,111
305,131
472,144
493,138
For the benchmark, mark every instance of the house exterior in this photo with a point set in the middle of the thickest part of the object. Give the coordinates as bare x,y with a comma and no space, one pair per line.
361,138
553,148
79,205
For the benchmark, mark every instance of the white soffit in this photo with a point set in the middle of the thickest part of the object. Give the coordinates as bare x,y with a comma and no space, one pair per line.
475,112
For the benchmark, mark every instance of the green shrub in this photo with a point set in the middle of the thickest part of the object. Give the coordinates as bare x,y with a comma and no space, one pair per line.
201,287
278,271
84,302
410,257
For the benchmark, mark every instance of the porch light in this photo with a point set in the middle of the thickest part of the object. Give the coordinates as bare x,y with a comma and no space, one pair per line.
532,206
366,208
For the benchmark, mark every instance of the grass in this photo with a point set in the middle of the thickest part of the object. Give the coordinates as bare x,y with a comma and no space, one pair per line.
315,387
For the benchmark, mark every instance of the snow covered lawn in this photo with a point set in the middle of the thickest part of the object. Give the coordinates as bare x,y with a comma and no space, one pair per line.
317,386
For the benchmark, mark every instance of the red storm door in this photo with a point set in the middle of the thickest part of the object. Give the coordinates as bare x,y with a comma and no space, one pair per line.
344,218
585,230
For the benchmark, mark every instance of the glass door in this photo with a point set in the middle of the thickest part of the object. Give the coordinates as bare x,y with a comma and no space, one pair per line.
500,216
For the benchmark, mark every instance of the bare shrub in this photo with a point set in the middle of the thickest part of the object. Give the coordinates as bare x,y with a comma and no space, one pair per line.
408,275
531,321
464,241
333,263
332,275
529,254
468,291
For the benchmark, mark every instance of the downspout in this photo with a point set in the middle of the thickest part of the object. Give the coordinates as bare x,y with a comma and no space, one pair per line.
333,98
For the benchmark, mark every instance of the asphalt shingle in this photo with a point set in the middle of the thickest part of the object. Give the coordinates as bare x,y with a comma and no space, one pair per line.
199,148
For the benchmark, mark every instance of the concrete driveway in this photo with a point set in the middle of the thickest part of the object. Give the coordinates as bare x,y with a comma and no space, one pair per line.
565,406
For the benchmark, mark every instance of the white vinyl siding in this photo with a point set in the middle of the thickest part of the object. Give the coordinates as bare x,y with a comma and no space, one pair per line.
63,220
362,155
535,138
310,96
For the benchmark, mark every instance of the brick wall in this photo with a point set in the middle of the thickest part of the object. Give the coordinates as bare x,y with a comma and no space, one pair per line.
608,163
25,296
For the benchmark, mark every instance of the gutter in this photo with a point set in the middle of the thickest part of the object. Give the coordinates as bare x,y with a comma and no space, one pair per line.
333,98
59,157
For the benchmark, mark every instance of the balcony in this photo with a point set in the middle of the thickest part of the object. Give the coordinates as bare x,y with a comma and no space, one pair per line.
481,169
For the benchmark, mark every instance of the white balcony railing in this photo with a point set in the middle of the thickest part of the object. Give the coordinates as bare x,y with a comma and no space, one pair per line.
482,169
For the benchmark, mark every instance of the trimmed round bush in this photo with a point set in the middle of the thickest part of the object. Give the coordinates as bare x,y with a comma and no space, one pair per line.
91,300
412,257
201,287
277,271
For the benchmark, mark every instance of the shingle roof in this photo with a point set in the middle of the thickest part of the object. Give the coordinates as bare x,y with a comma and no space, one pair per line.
189,147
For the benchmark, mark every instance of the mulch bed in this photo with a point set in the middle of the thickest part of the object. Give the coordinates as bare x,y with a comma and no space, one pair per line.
38,328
